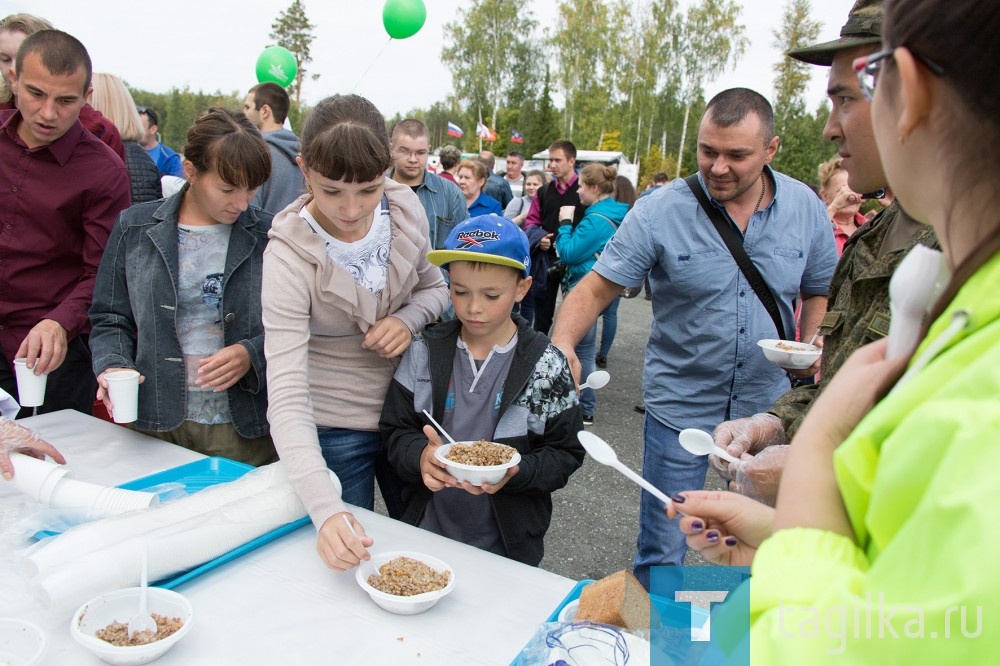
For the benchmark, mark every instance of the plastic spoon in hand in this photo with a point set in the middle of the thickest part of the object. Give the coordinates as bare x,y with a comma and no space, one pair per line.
700,443
438,426
602,452
596,380
142,621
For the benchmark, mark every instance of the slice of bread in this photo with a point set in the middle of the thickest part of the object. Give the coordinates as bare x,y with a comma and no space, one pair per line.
618,599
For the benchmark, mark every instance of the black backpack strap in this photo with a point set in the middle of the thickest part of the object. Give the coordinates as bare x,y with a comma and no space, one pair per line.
735,245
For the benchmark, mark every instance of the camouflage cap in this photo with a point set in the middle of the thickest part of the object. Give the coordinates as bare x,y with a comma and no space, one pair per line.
864,26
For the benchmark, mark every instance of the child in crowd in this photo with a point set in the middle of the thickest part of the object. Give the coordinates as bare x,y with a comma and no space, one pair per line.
347,284
486,375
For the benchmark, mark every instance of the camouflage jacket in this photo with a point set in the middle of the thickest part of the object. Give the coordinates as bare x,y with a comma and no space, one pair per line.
858,310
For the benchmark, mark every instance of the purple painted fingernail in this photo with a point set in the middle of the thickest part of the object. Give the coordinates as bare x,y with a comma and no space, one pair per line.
680,499
712,536
731,541
697,525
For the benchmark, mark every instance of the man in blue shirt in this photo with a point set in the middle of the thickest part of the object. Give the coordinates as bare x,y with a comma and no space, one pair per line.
702,361
442,201
168,162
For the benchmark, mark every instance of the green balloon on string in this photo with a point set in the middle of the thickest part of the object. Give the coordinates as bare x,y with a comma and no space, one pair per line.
403,18
276,64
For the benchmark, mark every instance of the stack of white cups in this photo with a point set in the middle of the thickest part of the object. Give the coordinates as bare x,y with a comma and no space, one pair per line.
49,483
105,555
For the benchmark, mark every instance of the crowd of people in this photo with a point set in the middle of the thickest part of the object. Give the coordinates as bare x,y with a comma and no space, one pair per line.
286,272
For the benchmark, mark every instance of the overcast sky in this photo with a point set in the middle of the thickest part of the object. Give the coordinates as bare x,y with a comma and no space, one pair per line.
213,45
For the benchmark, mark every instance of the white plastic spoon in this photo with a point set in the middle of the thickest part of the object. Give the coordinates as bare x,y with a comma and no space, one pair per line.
700,443
142,621
438,426
596,380
602,452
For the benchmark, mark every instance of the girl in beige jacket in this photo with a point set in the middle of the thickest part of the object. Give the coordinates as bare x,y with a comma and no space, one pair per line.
346,286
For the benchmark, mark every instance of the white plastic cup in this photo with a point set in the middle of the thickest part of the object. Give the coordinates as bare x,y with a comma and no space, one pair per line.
123,389
30,387
36,478
96,500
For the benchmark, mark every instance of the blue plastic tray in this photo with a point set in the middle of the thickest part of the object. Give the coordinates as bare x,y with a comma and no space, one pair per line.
199,475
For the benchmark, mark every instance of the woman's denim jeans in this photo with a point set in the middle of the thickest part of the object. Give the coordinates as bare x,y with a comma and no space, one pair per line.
351,454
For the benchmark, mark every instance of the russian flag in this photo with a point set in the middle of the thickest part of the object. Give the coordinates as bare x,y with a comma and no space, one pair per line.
516,137
482,130
454,130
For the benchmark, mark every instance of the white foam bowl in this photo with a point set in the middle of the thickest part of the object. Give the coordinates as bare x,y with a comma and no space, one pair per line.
120,606
799,358
477,475
21,643
412,605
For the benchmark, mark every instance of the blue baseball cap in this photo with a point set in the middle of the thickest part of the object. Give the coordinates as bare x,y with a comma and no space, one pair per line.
489,239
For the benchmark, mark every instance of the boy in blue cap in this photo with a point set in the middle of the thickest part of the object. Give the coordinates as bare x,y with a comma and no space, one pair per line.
485,375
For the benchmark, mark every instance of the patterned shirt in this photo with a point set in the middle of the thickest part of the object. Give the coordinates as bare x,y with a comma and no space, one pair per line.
367,260
201,264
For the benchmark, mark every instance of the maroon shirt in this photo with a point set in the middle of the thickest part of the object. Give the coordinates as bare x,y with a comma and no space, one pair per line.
57,206
97,124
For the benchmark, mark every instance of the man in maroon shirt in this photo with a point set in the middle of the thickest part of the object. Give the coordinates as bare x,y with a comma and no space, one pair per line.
60,191
13,30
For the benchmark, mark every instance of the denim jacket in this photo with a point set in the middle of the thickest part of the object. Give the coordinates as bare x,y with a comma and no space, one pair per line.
444,204
134,313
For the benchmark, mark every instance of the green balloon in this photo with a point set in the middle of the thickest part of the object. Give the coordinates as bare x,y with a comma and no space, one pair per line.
276,64
403,18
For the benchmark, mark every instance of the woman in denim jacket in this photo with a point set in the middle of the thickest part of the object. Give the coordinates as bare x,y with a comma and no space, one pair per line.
177,298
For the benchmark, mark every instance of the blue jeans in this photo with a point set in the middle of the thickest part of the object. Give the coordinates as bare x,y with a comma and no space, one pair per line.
609,326
671,469
351,454
588,364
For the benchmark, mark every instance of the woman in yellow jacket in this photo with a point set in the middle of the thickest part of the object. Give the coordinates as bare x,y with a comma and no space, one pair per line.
880,549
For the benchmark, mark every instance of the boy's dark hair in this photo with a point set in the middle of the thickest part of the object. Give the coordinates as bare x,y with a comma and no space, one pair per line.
274,96
229,143
481,265
344,138
62,54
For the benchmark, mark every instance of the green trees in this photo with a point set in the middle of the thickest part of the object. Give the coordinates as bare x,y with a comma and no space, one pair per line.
493,56
293,31
710,39
802,146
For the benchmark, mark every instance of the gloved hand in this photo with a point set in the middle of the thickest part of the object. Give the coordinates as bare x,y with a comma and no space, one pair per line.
15,437
758,476
747,435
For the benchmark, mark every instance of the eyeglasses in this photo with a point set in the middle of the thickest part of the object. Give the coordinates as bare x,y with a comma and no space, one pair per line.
407,154
869,66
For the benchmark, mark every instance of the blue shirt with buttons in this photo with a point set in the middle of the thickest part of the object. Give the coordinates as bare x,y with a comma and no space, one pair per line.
702,364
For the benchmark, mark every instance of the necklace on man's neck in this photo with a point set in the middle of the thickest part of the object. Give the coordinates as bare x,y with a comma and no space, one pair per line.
760,199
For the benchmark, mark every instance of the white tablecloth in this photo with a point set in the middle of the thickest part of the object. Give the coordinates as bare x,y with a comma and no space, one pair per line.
280,604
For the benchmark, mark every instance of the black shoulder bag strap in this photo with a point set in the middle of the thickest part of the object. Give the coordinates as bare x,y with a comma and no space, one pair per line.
735,246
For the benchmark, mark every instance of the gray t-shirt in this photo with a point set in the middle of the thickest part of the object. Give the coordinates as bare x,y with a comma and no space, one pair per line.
201,265
471,412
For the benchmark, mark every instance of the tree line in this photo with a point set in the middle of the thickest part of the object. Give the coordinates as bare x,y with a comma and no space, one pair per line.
631,74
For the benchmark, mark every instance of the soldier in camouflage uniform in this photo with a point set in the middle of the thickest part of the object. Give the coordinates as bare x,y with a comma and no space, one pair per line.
858,311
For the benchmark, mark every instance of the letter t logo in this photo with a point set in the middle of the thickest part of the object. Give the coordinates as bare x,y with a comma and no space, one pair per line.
701,599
